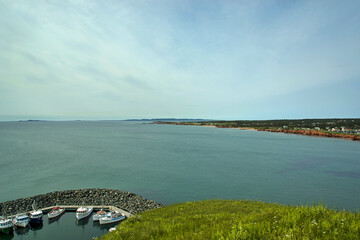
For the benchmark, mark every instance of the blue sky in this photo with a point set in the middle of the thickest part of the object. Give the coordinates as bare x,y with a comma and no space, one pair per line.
184,59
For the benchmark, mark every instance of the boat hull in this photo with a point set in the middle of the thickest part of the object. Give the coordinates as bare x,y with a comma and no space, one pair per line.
56,213
80,216
21,224
97,216
36,217
7,230
21,221
107,220
6,226
36,220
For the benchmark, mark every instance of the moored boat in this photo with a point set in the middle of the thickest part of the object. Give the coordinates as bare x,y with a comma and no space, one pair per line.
36,216
6,225
21,220
55,212
114,216
100,214
83,212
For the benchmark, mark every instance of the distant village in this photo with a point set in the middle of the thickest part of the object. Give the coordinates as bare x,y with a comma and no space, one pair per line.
342,129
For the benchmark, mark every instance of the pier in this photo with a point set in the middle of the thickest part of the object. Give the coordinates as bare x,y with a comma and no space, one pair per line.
72,208
125,202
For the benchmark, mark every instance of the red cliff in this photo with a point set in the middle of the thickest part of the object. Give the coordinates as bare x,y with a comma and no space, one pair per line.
314,133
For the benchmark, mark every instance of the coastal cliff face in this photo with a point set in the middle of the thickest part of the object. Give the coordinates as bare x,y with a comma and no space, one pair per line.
314,133
125,200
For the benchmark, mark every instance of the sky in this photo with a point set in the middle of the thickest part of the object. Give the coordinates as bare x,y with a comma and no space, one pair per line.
77,59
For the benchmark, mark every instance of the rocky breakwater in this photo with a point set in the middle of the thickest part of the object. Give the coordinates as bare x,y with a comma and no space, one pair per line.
314,133
130,202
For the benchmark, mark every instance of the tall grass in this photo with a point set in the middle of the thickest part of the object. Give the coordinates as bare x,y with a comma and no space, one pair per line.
225,219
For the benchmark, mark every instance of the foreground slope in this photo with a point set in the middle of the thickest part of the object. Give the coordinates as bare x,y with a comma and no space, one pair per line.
226,219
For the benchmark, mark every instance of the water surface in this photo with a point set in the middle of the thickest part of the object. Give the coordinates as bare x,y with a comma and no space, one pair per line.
172,164
177,163
64,227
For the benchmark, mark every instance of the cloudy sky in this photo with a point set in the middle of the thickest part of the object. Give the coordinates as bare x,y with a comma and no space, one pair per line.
185,59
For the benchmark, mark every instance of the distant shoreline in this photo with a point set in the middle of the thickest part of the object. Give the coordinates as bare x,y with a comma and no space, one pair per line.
299,132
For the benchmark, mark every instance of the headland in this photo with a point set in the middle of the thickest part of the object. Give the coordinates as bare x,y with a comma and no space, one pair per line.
334,128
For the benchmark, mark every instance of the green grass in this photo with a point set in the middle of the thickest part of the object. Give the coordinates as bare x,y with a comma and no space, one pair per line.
226,219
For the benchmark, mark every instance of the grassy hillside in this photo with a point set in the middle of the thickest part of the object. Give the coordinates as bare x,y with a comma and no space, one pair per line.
225,219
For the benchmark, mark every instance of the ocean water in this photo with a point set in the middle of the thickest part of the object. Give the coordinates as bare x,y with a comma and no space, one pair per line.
171,164
65,227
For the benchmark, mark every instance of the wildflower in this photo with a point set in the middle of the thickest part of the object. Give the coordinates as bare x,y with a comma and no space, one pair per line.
313,222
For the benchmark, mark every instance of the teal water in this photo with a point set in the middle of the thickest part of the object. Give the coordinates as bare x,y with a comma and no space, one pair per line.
59,229
172,164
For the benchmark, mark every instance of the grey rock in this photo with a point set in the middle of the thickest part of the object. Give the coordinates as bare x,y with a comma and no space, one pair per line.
125,200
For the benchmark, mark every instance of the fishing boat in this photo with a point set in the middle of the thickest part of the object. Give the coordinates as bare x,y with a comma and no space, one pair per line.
83,212
21,220
36,216
114,216
6,225
100,214
55,212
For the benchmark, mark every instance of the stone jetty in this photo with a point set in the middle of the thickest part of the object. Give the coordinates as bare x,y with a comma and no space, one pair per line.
130,202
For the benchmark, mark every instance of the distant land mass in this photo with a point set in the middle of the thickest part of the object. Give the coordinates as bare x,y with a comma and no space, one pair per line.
169,119
33,120
348,128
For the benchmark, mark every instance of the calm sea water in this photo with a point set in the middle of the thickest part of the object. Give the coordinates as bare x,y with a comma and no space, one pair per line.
172,164
65,227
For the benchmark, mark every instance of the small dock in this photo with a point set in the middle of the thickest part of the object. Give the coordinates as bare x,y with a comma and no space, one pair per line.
72,208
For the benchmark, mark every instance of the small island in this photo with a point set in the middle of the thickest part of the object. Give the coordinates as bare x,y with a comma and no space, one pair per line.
347,128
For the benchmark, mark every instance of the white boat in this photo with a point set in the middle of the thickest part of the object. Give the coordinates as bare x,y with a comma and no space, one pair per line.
114,216
36,216
100,214
55,212
21,220
83,212
6,225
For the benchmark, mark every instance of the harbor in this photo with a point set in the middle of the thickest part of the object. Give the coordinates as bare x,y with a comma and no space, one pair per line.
83,205
128,202
72,208
64,227
67,208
